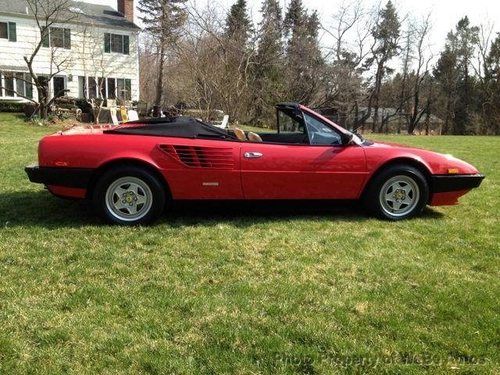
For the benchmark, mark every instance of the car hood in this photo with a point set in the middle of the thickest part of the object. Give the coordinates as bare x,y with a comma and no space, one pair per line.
436,162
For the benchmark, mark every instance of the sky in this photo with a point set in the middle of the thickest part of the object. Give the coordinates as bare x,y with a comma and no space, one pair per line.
444,13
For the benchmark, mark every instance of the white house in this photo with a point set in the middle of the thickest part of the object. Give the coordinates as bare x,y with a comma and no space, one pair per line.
94,47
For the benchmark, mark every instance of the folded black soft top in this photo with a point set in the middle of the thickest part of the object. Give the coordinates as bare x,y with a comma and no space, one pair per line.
184,127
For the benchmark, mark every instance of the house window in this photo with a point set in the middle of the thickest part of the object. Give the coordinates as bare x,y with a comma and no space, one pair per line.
111,88
17,85
9,84
124,89
106,88
116,43
20,83
8,31
58,38
4,30
101,83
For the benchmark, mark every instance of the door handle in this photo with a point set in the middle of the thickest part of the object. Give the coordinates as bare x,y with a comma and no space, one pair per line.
252,155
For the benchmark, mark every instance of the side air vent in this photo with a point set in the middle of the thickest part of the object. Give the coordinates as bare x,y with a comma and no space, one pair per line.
201,157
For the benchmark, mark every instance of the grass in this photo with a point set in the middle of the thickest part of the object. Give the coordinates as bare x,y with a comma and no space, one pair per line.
210,290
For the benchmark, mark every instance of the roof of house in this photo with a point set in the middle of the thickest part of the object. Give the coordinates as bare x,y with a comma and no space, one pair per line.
100,15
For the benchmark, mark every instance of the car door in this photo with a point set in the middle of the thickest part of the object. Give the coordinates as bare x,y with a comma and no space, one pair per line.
272,170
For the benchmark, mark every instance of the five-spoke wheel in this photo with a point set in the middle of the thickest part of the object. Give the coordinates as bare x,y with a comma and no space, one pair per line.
129,195
129,198
397,192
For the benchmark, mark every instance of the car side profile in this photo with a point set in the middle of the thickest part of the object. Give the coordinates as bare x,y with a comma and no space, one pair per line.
132,171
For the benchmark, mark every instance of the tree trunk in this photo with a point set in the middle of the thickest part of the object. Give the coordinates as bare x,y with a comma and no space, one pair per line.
159,82
43,101
378,84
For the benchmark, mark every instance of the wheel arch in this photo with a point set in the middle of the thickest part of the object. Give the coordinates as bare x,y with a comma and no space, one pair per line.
128,162
404,160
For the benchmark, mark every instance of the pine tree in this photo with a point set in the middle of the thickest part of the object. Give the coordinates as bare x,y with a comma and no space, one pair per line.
465,39
268,71
386,35
446,74
303,54
163,20
238,24
295,17
492,78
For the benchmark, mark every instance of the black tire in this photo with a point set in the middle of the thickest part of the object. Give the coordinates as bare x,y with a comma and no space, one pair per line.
403,182
142,186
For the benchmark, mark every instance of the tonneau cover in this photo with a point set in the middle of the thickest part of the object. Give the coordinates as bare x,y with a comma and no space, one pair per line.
184,127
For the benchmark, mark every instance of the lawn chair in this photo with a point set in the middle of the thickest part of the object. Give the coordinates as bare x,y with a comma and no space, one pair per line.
222,124
124,114
114,117
133,115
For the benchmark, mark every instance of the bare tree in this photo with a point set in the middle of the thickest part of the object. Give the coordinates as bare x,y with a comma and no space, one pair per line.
47,13
96,64
351,32
420,73
220,65
163,21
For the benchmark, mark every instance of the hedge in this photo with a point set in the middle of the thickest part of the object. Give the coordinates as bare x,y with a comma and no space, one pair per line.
6,106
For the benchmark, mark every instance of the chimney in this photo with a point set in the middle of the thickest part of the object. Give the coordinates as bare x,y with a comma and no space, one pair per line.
126,7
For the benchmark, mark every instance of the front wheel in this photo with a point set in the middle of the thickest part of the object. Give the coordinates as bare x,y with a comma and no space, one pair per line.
129,196
397,193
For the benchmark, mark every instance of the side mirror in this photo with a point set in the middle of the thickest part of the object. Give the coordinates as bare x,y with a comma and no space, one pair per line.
346,138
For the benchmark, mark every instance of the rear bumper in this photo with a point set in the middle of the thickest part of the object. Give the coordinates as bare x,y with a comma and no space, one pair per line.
60,176
457,182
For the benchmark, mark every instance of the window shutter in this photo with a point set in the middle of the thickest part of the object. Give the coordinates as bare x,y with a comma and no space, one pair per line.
45,37
126,42
12,32
67,38
107,43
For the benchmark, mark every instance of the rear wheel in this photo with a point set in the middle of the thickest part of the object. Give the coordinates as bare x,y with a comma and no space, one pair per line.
397,193
129,196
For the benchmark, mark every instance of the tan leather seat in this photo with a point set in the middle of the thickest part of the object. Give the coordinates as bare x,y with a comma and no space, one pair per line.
254,137
240,134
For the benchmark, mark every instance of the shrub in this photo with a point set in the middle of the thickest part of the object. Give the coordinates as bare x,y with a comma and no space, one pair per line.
29,109
8,106
84,105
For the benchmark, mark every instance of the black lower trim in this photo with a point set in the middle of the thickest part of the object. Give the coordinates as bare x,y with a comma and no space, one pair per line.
456,182
60,176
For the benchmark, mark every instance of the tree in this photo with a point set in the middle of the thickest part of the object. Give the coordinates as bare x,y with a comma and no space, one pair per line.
304,61
163,20
238,26
343,88
465,39
268,68
96,65
222,60
446,74
238,52
47,13
420,75
491,104
386,35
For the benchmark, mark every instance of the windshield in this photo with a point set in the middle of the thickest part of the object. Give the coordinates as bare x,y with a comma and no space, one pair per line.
356,138
320,133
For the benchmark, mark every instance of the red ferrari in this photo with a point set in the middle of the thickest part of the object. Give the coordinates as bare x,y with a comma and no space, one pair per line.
131,172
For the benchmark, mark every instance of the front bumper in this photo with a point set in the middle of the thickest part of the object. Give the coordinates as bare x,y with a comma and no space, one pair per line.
59,176
456,182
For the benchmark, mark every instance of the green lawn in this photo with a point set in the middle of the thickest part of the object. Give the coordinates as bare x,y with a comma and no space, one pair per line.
249,291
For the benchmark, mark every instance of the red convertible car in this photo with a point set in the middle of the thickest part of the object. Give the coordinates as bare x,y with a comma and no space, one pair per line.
132,171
